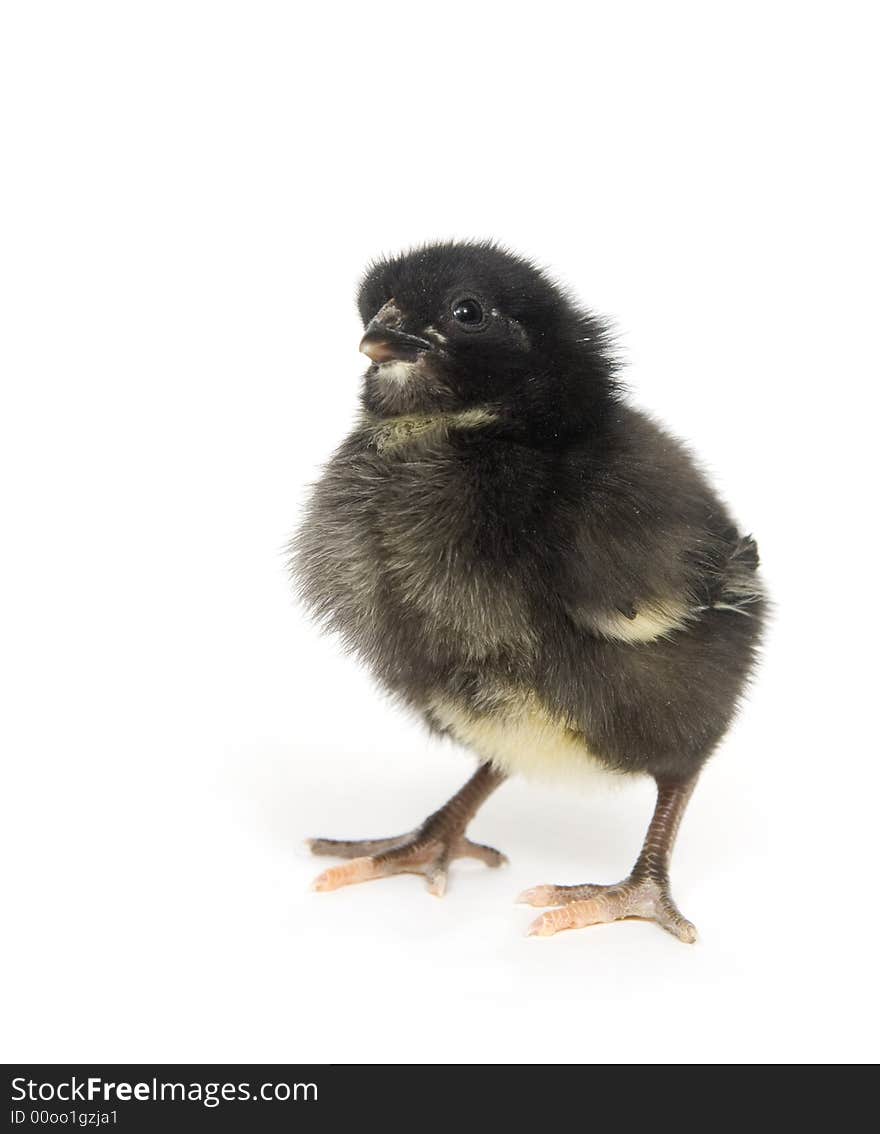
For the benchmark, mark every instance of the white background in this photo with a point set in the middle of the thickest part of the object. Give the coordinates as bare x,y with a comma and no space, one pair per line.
190,192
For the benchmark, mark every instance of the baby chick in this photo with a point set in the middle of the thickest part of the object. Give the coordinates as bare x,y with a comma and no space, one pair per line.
527,562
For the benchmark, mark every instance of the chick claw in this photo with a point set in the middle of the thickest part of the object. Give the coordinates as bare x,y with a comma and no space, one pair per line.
413,853
592,905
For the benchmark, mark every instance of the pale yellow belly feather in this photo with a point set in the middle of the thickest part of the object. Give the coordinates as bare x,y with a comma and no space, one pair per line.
522,738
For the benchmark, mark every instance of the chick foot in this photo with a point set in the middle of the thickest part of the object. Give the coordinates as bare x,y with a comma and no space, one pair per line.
427,850
645,893
591,905
415,853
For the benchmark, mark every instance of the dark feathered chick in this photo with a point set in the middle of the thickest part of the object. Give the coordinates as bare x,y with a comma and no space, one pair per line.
527,562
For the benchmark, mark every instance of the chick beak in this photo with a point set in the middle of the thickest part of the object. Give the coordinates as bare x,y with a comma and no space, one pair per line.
382,343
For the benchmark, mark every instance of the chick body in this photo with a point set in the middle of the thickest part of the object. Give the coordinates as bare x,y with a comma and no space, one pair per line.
458,567
522,558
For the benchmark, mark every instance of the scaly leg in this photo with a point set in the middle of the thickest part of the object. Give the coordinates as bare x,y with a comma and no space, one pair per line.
427,850
645,893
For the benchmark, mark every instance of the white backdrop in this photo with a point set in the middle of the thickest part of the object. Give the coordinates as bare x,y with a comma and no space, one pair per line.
190,193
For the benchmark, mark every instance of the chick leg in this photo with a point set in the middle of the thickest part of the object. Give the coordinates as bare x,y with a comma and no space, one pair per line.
427,850
645,893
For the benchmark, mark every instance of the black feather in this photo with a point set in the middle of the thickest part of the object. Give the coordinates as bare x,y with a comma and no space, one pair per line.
502,523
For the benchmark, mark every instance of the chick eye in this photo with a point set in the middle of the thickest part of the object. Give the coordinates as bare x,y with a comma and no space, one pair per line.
467,311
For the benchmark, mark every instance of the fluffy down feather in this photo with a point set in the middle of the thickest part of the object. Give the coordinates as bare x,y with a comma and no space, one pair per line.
509,545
